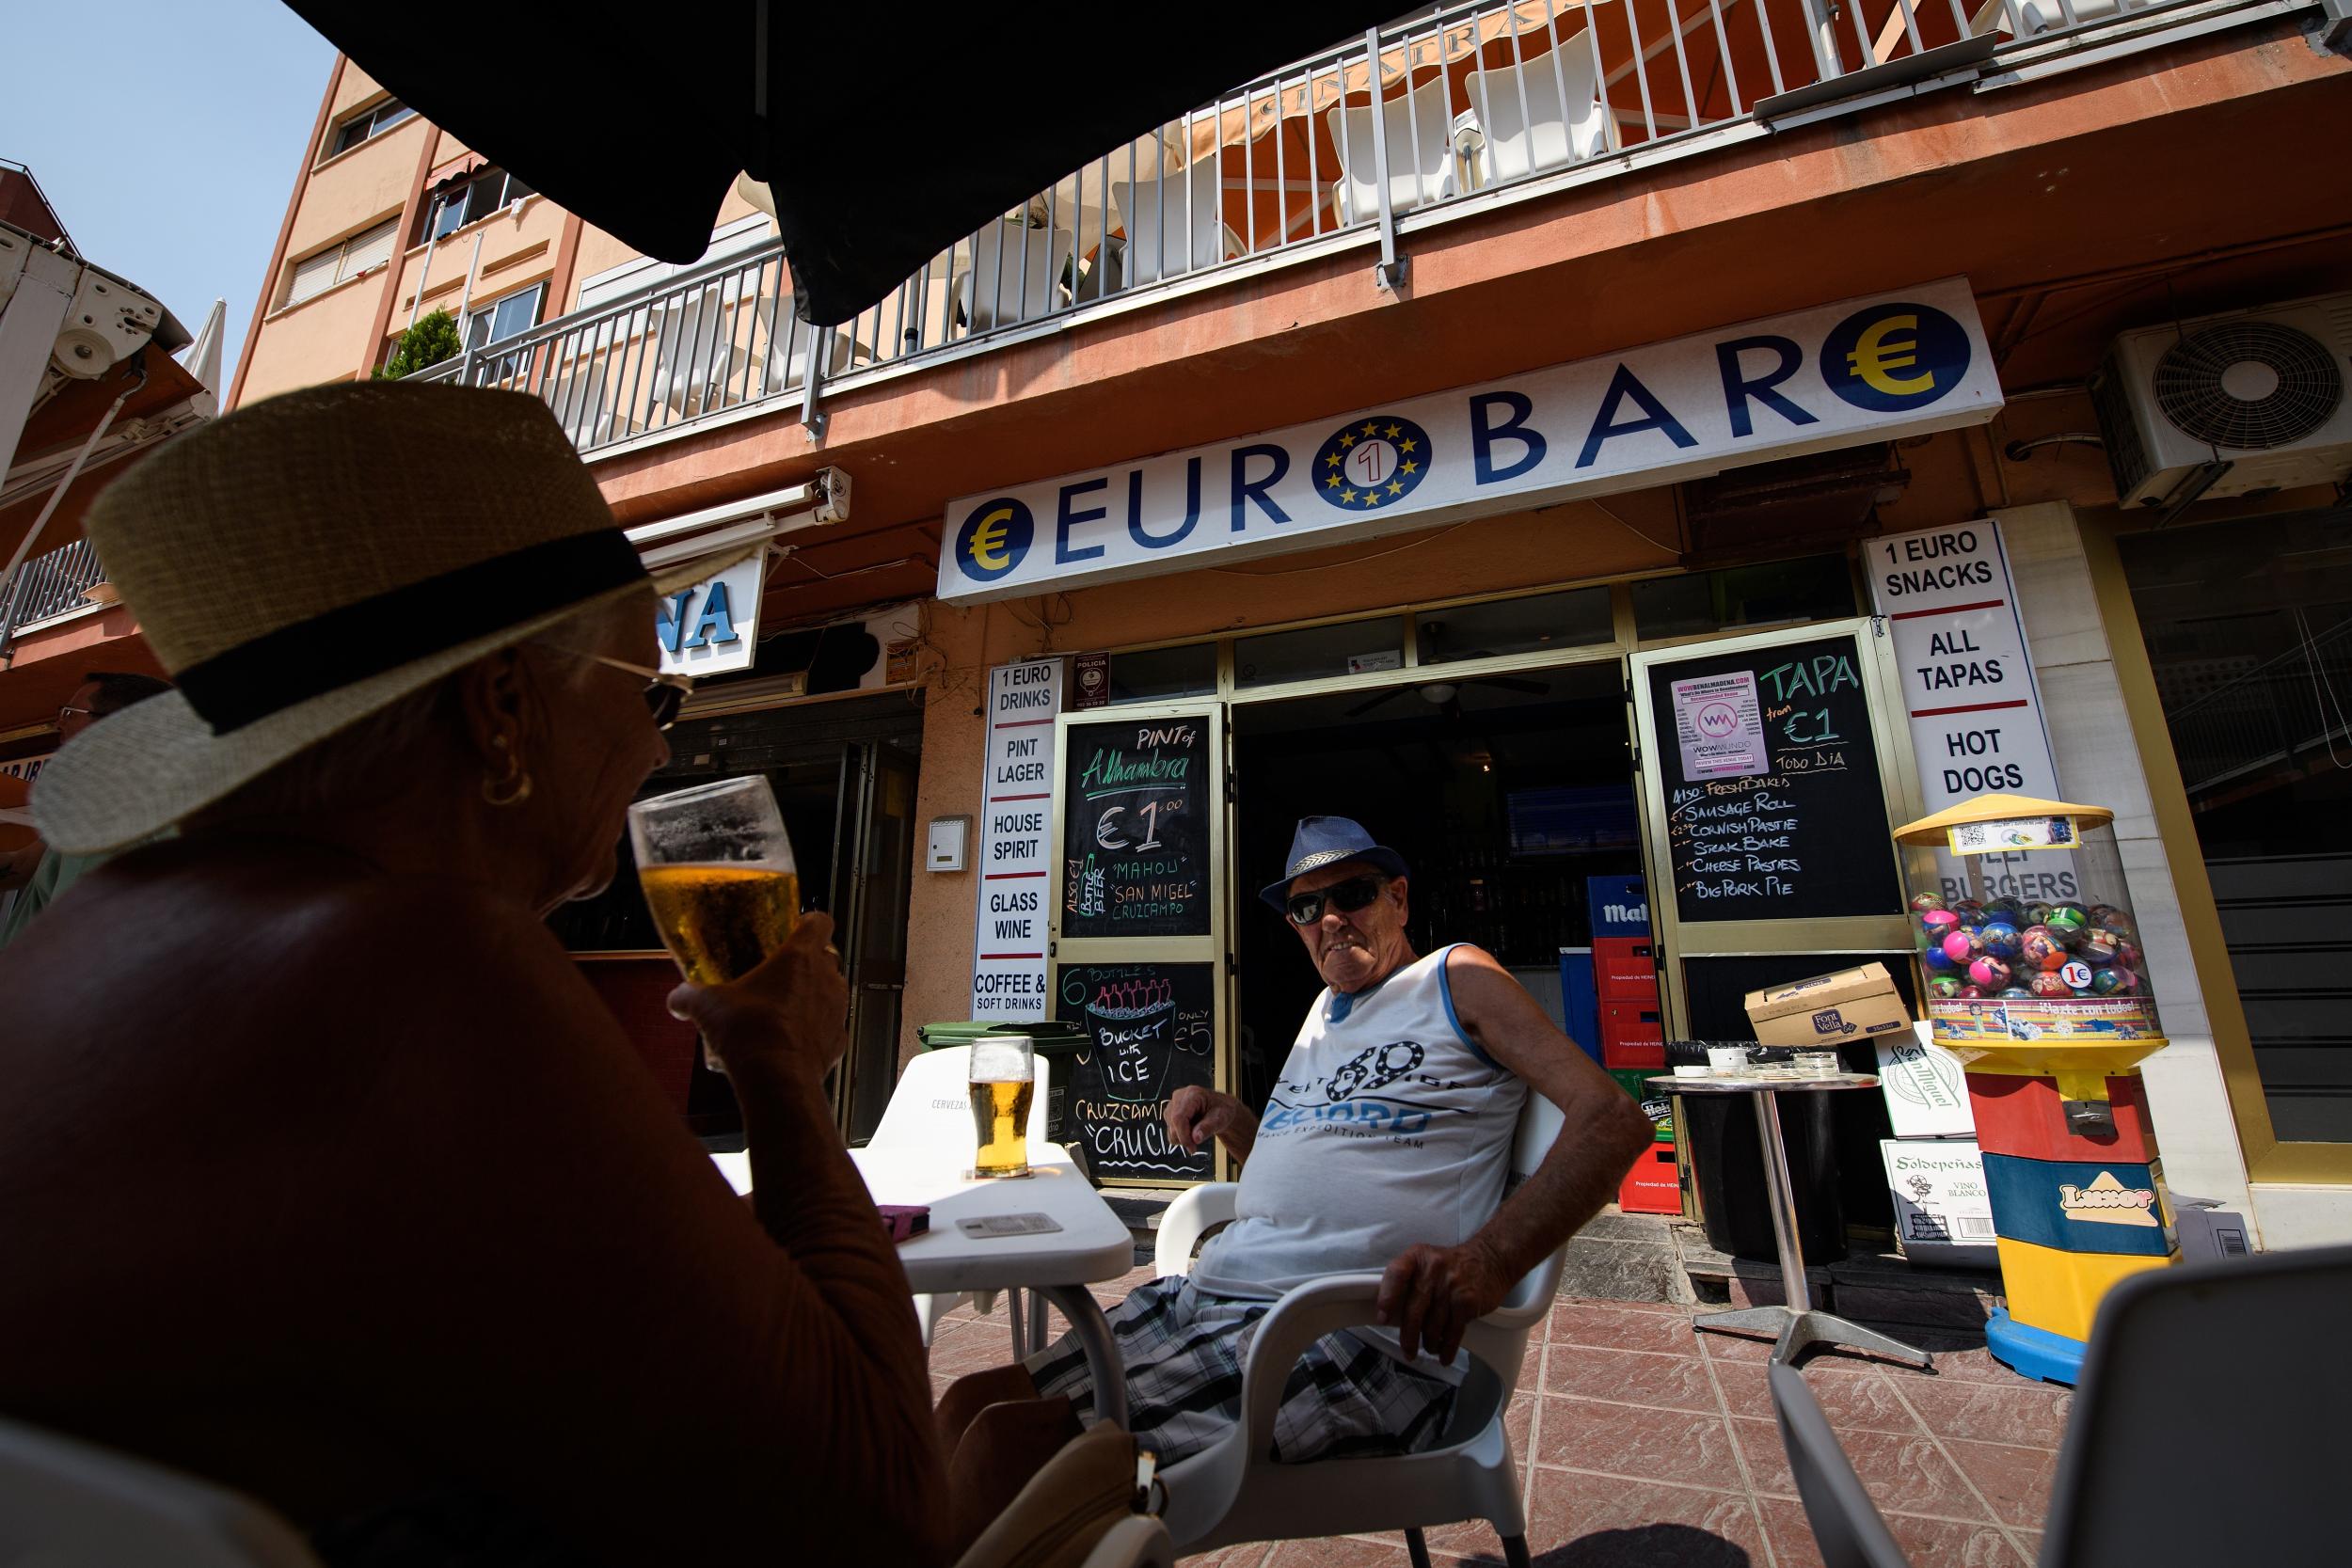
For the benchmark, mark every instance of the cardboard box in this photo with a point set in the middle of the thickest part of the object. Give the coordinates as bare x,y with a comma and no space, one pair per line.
1829,1009
1943,1208
1623,969
1925,1088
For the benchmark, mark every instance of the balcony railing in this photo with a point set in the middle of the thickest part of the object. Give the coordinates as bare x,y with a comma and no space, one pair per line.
1335,150
48,585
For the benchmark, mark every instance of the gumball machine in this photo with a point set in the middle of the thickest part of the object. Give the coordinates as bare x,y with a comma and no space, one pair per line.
2034,977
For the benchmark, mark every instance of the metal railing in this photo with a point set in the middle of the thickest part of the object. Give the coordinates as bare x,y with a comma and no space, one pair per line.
1336,148
48,585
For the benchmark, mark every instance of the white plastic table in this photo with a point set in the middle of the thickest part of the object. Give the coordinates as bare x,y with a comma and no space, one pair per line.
1093,1245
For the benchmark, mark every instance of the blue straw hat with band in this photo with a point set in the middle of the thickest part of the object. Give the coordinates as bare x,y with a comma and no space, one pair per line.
1321,841
304,562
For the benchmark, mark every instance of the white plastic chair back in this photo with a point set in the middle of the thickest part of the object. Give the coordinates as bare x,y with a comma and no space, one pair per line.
1159,216
932,1107
1539,131
70,1504
788,355
1421,151
1847,1525
1016,272
1236,1492
2041,16
1137,1542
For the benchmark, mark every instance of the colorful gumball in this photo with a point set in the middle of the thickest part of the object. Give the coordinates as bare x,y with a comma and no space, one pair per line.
1971,913
1945,988
1972,993
2036,914
2039,948
1936,960
2076,975
2110,982
2100,914
2000,939
2005,908
2015,993
2127,957
1989,973
1938,924
2049,983
1922,902
2098,948
1963,946
2119,927
2066,922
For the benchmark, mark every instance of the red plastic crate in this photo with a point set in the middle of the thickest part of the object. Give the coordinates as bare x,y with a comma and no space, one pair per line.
1632,1034
1651,1187
2023,1116
1625,969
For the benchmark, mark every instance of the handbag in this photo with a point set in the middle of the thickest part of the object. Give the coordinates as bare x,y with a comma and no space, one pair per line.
1099,1479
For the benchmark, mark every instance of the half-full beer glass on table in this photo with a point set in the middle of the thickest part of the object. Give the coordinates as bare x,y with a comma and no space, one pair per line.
719,876
1003,1079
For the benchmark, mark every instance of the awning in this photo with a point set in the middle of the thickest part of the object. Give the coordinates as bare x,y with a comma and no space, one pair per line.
879,157
56,430
720,535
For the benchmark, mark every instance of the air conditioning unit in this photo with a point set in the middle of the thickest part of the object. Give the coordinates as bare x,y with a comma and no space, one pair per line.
2229,404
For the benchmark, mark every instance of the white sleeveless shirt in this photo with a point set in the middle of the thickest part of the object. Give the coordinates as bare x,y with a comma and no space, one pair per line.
1387,1128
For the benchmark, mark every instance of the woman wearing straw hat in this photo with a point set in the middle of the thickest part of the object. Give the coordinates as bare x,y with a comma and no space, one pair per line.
327,1177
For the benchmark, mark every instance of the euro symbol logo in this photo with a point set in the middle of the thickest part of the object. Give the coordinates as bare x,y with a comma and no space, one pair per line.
1875,360
995,538
988,540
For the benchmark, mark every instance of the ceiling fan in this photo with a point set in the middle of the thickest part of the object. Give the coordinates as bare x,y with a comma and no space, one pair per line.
1446,696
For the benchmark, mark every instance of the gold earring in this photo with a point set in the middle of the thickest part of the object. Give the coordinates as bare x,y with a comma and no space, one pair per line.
511,789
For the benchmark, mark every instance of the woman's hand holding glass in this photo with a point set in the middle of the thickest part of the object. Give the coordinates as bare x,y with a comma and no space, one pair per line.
792,1009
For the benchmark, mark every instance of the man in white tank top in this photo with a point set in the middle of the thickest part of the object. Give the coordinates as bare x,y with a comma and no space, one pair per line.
1385,1145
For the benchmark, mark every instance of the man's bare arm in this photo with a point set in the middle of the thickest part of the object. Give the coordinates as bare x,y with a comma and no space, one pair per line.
18,865
1196,1115
1433,1294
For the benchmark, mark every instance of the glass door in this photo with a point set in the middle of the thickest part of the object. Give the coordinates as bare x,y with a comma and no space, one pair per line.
1137,945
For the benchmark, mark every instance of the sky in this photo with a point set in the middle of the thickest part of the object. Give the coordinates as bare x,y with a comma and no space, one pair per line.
166,135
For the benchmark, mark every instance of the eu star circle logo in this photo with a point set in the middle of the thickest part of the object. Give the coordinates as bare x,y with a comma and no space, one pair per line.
995,539
1895,356
1372,463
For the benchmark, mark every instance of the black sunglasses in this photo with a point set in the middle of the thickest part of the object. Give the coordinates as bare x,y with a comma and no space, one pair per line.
1305,909
665,692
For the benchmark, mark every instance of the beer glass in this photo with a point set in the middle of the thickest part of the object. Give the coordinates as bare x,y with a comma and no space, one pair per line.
1003,1080
718,874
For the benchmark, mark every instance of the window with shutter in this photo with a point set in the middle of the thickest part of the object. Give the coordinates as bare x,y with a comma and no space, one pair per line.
313,275
372,249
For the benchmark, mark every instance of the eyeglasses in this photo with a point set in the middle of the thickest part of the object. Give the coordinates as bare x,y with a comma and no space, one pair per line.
1305,909
86,712
665,691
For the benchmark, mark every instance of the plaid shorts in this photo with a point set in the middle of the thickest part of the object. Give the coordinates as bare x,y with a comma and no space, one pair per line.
1184,1351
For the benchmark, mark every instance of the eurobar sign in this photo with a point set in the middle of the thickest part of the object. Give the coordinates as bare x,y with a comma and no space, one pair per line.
1893,365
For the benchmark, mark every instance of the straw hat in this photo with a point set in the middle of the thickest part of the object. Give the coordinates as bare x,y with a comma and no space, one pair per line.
304,562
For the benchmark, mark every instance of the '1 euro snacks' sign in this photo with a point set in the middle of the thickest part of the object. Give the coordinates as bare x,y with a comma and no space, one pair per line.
1008,983
1897,364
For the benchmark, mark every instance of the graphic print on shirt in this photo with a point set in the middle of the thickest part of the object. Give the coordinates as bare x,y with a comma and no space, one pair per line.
1368,1096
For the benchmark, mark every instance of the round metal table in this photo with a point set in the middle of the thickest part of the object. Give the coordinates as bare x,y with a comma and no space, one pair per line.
1798,1324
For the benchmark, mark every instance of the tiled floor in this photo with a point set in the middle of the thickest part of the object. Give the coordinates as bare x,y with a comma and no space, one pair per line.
1646,1444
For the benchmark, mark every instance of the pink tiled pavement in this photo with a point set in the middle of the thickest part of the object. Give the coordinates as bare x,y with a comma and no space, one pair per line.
1644,1443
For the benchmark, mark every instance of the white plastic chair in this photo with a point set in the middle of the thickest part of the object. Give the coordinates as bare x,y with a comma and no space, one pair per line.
65,1503
1190,206
2041,16
1421,151
1137,1542
1546,131
2202,1383
1015,273
1233,1491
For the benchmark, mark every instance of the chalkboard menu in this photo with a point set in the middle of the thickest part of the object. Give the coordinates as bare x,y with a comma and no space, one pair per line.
1137,798
1151,1029
1771,784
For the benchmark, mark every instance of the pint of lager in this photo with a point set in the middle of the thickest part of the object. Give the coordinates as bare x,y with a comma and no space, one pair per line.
719,877
1003,1081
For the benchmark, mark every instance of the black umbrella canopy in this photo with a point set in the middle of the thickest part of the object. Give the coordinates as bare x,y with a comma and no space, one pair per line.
886,133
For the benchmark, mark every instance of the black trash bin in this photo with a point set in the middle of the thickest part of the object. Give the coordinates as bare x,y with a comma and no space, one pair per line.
1735,1196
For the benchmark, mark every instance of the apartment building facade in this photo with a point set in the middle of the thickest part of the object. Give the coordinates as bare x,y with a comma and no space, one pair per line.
1650,343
